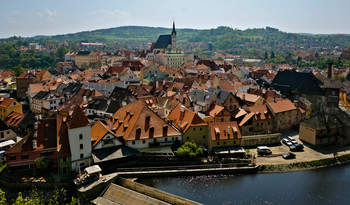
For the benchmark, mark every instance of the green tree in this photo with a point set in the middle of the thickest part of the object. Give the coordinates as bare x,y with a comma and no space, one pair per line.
41,162
219,58
18,70
266,55
189,150
61,51
59,197
348,76
272,54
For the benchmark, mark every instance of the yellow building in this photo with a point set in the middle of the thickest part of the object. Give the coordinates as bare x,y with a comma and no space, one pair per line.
190,124
223,134
87,58
8,105
344,99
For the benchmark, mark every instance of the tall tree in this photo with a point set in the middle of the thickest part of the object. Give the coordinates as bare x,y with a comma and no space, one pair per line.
272,54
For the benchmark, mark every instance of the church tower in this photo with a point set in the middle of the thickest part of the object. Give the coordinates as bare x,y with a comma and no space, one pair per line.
173,38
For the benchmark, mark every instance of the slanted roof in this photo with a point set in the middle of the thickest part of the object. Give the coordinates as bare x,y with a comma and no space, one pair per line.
279,106
93,169
184,120
131,119
24,145
5,102
112,153
78,119
163,42
215,110
224,130
14,118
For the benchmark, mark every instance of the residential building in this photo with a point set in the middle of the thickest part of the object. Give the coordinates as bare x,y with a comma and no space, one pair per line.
224,134
190,124
258,120
142,128
8,105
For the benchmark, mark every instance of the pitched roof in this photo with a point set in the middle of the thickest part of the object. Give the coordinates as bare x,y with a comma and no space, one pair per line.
14,118
214,110
5,102
163,42
224,130
248,97
24,145
131,121
283,105
78,119
186,119
46,134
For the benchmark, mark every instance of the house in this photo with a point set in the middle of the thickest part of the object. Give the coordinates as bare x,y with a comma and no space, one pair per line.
30,77
332,127
142,128
190,124
228,99
224,134
49,140
202,100
8,105
108,148
258,120
285,114
251,99
49,100
219,113
79,136
6,133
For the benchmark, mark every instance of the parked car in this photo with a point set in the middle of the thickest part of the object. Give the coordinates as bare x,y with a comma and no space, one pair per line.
263,150
296,147
288,155
292,140
287,142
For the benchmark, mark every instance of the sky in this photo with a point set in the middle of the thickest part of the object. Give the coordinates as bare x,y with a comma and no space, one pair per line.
50,17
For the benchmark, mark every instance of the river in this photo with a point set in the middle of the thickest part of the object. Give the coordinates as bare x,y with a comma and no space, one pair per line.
320,186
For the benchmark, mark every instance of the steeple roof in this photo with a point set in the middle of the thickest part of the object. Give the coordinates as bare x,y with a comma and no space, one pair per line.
173,32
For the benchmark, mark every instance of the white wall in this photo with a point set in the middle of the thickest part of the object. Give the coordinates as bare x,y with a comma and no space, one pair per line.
74,144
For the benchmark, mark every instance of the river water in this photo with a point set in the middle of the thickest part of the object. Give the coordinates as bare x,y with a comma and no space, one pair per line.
320,186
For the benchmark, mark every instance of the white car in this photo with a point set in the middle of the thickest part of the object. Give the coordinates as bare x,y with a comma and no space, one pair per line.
292,140
287,142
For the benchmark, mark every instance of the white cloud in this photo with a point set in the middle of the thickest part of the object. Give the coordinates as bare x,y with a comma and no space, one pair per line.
9,20
47,14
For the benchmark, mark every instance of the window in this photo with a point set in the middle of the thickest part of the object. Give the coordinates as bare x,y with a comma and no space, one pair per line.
218,143
2,135
81,156
64,159
224,143
81,146
166,139
64,170
82,164
188,138
143,141
200,129
25,156
194,129
133,142
203,136
81,136
8,132
12,158
234,142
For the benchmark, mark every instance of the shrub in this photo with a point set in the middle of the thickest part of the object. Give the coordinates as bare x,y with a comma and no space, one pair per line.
189,150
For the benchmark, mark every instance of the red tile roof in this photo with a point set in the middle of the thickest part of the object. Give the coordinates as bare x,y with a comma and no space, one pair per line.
224,130
5,102
14,118
281,105
132,117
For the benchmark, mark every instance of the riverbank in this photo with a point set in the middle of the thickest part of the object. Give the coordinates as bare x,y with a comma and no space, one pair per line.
306,165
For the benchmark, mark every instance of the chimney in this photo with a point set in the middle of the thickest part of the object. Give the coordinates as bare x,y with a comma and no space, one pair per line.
156,84
182,108
196,110
84,99
243,96
329,70
228,130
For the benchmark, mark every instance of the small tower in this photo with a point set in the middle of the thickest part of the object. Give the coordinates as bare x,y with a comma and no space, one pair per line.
173,38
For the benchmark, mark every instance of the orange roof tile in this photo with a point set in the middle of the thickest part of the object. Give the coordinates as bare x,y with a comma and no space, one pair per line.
131,121
281,105
186,119
5,102
214,110
224,130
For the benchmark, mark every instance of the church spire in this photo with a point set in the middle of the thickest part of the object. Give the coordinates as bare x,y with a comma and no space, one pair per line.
173,32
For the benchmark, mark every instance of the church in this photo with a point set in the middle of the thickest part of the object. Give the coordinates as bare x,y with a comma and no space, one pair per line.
166,51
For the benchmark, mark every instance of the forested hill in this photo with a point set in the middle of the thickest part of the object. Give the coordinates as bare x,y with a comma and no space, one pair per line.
242,42
122,34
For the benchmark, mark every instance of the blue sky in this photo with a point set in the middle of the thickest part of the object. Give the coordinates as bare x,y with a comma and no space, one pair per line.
49,17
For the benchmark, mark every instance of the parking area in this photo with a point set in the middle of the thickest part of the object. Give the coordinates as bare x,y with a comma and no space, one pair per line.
308,154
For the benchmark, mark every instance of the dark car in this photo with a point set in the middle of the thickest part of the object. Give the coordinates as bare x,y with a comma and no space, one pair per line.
296,147
288,155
